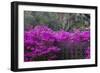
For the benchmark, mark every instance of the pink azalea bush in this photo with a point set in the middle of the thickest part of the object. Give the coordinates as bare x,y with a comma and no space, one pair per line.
42,43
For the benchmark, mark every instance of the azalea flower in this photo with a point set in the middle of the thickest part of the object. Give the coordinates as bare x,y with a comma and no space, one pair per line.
42,43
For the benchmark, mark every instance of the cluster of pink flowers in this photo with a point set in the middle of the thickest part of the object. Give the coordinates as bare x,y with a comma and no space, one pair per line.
42,43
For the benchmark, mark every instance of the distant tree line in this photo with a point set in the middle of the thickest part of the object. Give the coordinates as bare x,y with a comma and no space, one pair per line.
56,21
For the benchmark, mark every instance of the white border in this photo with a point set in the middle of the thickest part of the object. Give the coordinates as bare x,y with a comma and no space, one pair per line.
22,64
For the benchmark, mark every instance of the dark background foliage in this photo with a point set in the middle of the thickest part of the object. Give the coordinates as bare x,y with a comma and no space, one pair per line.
56,21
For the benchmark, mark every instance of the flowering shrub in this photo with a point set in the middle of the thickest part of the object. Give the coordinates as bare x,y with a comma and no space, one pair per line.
42,43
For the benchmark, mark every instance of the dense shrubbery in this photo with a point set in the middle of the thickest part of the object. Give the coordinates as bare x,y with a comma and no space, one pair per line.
57,20
42,43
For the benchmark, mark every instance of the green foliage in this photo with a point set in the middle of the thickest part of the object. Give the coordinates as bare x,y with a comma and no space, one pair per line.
57,21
